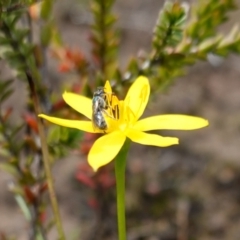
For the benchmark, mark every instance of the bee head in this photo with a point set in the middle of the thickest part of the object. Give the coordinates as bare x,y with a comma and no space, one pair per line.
99,92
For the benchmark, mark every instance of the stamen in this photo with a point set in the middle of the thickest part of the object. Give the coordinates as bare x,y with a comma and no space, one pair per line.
112,105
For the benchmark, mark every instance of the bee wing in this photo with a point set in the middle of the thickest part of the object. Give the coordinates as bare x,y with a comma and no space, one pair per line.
93,123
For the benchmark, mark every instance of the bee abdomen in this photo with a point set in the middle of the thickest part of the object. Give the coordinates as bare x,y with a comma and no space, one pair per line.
99,120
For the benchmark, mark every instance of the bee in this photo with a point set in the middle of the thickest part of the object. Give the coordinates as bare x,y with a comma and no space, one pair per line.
102,105
99,107
99,121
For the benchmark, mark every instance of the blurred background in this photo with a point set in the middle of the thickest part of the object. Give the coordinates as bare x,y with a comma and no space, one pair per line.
189,191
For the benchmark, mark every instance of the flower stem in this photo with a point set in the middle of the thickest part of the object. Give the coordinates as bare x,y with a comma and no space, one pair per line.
46,162
120,165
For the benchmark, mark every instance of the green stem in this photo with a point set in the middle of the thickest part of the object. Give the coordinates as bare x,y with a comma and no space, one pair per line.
46,161
120,165
103,46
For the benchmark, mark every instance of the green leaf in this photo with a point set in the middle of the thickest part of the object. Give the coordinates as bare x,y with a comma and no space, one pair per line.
209,44
4,85
208,15
53,134
6,95
46,9
4,41
15,17
168,31
133,66
23,206
27,178
20,34
17,64
9,168
110,20
46,34
4,153
56,36
12,55
27,49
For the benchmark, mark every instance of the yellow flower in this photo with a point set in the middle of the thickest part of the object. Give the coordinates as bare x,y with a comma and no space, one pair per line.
127,124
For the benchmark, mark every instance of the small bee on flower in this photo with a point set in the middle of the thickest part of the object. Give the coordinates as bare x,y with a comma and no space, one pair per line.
104,104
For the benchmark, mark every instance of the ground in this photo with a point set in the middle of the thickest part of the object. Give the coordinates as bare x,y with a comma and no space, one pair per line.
190,191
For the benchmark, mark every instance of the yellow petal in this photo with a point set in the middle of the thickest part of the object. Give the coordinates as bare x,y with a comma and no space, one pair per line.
79,103
171,121
137,96
105,149
81,125
151,139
